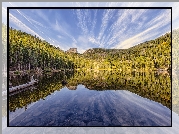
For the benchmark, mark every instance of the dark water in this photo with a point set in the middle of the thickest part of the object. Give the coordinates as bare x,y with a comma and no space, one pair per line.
103,98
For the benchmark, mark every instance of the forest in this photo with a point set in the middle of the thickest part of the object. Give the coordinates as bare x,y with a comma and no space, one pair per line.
28,52
120,67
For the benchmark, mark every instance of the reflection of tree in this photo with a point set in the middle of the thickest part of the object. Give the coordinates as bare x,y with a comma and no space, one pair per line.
152,85
47,85
71,87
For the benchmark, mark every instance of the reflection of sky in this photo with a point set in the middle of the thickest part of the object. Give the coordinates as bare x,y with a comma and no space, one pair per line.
19,111
150,106
118,103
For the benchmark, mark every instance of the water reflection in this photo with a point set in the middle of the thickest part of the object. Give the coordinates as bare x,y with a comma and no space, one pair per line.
99,98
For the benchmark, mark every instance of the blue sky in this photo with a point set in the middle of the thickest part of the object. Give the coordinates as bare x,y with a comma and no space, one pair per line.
92,28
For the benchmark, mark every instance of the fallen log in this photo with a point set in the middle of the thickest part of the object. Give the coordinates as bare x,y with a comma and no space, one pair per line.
13,89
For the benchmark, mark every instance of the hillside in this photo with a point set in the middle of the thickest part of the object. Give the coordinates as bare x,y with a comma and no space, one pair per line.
154,54
27,52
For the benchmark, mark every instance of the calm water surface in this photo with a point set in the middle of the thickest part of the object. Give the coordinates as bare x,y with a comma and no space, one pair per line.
93,99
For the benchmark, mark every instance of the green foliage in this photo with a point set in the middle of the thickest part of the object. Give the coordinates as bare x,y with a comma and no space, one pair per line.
29,52
17,72
153,55
152,85
46,86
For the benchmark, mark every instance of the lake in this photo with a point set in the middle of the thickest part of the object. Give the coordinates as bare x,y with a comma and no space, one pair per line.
93,98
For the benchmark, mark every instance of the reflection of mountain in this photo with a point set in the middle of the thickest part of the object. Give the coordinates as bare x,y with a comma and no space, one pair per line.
152,85
46,86
99,86
72,87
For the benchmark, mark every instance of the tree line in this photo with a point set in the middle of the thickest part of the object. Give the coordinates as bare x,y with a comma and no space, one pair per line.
28,52
154,55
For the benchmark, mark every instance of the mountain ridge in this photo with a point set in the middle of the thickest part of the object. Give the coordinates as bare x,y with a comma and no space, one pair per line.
153,54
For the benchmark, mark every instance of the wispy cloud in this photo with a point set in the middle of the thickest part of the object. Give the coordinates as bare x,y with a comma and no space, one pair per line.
41,15
85,28
140,37
127,20
107,15
22,26
151,30
37,23
93,25
82,23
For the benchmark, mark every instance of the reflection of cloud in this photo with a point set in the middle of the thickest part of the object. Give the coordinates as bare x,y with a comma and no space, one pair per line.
154,108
